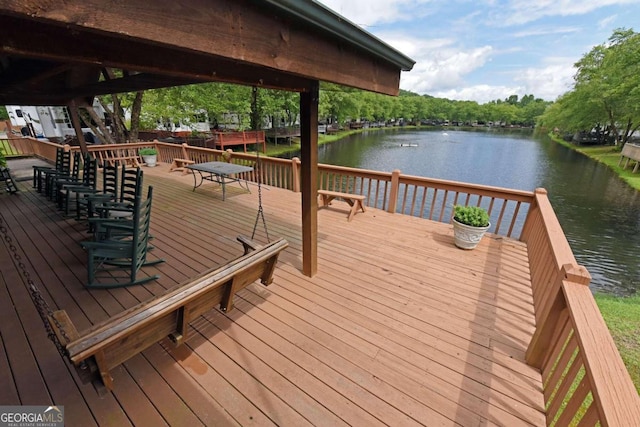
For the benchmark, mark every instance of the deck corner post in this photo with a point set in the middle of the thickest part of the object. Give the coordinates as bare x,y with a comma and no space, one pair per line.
393,193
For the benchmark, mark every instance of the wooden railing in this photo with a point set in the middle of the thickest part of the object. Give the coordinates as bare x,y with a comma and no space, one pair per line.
28,146
429,198
394,192
584,378
16,146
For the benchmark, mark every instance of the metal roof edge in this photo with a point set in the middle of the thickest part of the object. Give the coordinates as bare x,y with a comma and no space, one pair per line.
314,13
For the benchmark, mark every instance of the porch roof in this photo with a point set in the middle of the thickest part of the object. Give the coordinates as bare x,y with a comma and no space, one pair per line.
52,53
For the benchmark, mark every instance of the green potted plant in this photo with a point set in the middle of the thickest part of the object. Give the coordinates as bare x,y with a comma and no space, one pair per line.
149,156
469,225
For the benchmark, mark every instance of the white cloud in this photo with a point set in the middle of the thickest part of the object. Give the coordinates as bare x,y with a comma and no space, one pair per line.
440,63
550,81
517,12
371,12
479,93
607,22
546,31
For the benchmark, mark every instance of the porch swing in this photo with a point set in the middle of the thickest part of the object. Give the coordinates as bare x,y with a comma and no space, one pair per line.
95,352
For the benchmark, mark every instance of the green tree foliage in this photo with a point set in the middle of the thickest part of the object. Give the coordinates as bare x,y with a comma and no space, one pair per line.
606,90
230,106
3,113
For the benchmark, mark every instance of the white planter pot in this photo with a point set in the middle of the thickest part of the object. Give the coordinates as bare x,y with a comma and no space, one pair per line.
150,160
466,236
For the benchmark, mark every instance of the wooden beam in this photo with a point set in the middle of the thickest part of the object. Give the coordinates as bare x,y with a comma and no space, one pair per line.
240,32
309,178
75,121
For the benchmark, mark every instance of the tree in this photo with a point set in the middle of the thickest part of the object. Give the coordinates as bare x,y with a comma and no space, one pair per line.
606,90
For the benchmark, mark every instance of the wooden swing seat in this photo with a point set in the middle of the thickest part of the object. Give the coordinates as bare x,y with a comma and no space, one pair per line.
106,345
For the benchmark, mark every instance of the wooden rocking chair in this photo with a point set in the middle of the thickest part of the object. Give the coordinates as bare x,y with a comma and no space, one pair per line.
126,251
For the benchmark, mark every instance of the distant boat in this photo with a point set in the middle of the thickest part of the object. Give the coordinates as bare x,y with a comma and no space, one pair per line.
445,134
406,144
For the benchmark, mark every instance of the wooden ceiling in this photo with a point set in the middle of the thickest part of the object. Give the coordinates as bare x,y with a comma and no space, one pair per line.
55,52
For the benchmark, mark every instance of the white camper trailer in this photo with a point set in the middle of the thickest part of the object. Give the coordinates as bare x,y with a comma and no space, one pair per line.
47,121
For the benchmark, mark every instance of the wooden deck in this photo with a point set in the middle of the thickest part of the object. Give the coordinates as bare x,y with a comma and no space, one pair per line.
399,327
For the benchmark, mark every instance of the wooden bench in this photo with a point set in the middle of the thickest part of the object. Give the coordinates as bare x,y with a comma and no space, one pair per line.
630,152
105,346
356,201
179,165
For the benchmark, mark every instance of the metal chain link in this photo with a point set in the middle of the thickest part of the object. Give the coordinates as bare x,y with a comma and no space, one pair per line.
258,168
260,209
44,310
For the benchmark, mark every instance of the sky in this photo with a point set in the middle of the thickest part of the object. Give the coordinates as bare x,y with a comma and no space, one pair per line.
483,50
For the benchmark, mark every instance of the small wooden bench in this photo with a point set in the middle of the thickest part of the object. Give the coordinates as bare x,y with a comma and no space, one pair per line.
630,152
97,351
179,165
356,201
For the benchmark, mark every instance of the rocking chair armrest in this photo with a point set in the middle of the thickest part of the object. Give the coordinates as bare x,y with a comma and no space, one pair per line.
97,197
107,244
114,206
78,188
113,223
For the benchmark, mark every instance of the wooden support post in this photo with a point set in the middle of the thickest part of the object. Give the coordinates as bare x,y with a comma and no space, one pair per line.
182,326
309,177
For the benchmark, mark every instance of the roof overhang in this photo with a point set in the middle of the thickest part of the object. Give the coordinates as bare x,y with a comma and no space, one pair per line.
53,52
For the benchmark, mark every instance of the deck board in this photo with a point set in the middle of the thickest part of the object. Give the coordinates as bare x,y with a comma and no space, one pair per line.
398,327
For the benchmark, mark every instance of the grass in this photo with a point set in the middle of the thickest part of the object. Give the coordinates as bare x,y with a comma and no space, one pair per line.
607,154
622,316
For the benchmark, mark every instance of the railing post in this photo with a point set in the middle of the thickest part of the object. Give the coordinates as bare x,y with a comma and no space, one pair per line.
185,153
295,174
393,193
533,208
228,154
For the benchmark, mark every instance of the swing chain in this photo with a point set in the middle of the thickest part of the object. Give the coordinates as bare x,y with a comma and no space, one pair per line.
258,170
260,213
44,310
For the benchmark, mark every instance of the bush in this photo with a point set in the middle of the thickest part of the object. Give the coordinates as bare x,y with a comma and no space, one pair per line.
148,151
471,215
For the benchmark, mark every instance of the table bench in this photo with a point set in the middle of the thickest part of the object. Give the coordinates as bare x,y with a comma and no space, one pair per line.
356,201
179,165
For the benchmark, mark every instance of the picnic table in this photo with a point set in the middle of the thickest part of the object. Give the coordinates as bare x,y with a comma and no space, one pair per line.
219,172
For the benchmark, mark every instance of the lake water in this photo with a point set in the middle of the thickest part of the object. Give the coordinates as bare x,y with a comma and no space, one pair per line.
599,213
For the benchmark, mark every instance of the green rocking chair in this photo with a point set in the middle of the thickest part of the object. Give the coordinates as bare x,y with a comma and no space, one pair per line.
128,253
